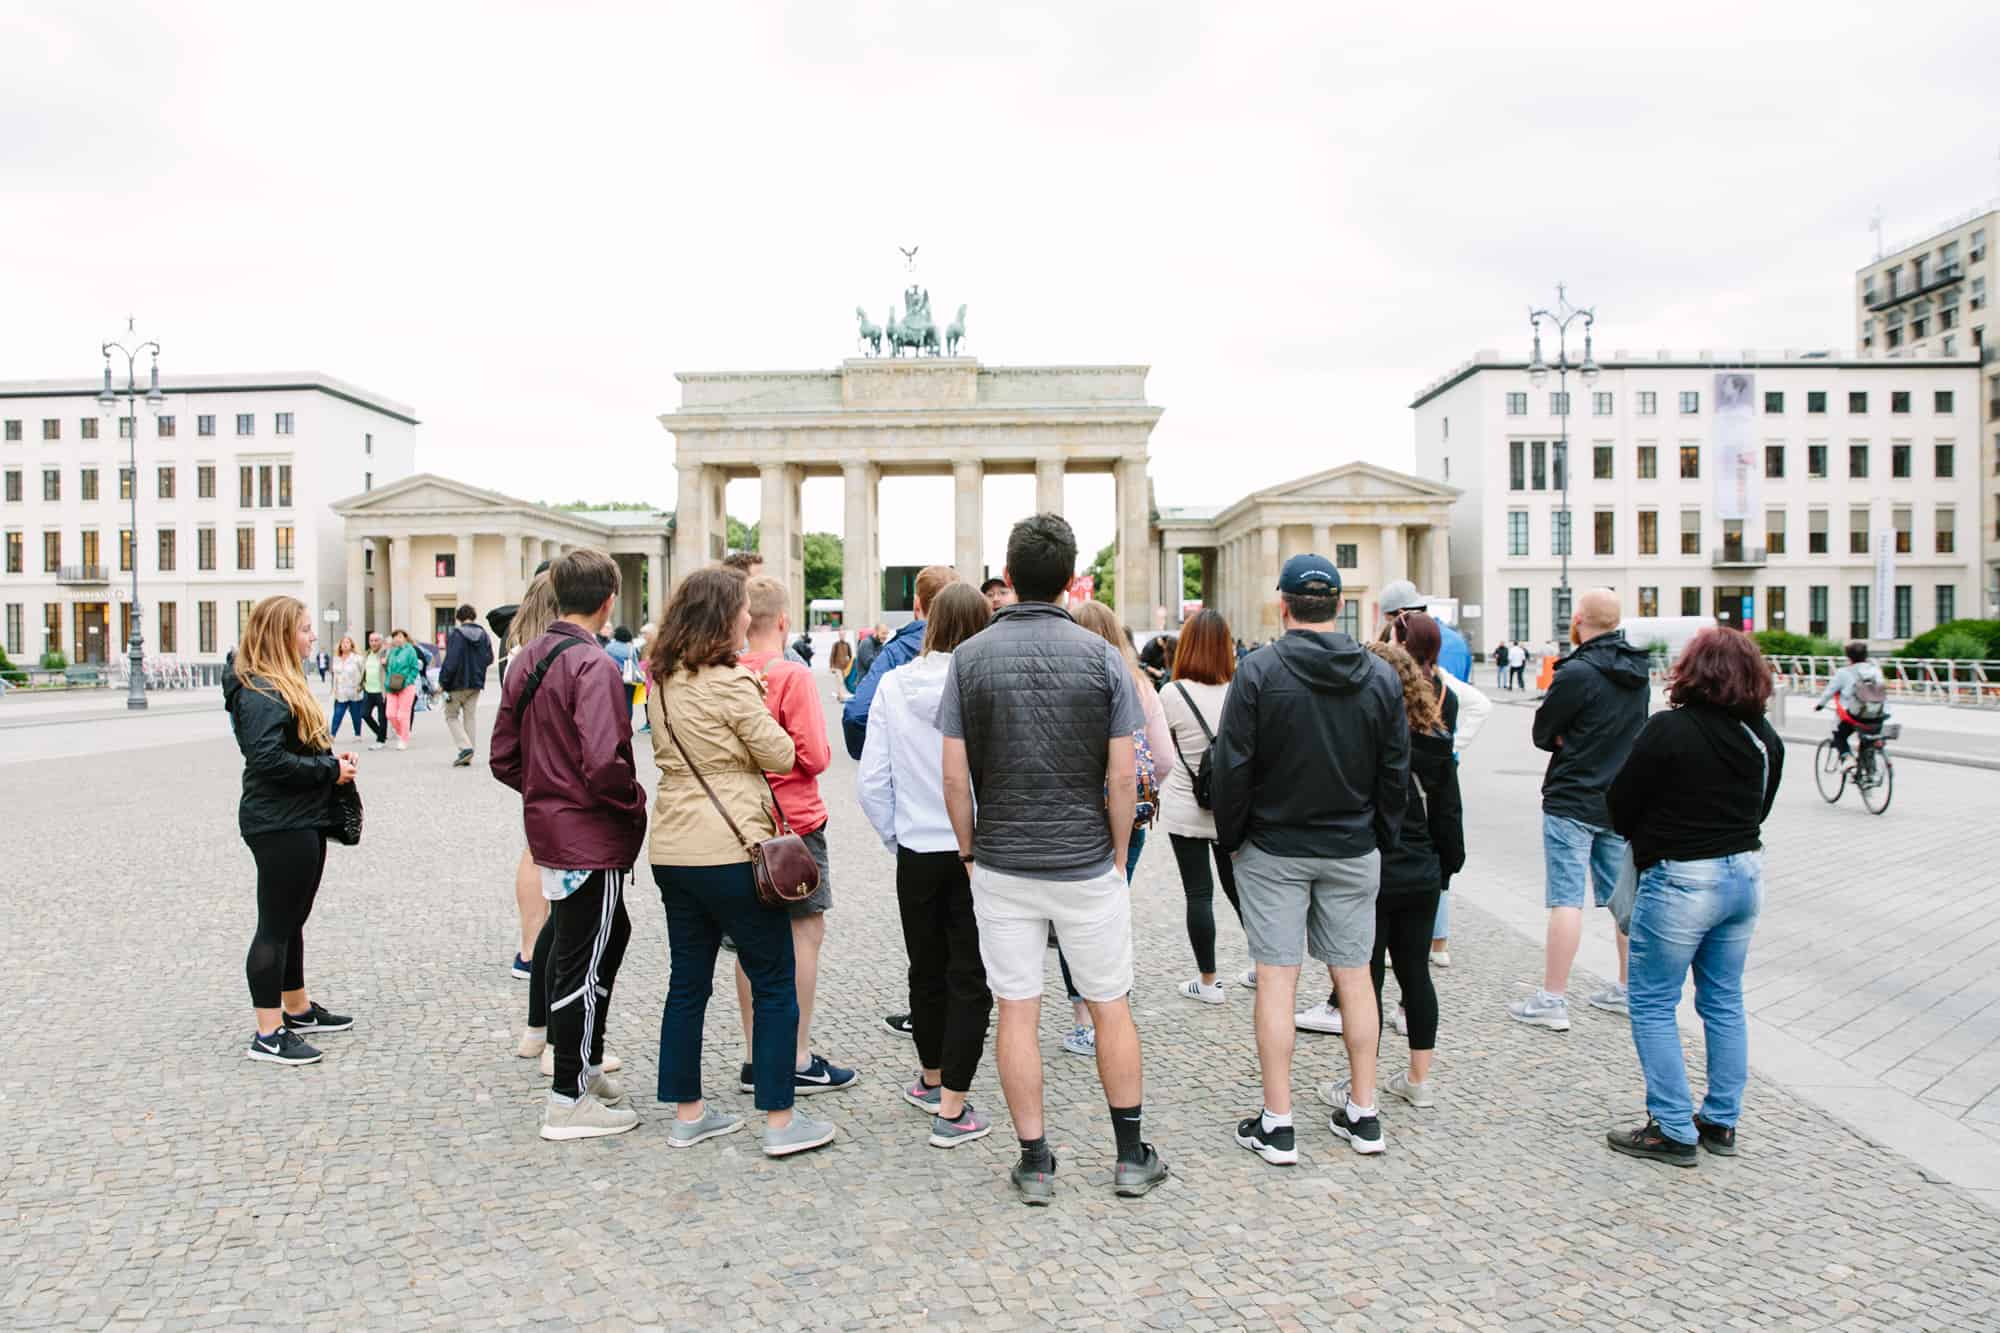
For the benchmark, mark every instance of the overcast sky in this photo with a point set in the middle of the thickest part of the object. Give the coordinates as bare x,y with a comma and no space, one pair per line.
522,219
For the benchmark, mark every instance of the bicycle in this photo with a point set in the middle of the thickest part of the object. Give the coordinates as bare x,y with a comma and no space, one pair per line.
1874,777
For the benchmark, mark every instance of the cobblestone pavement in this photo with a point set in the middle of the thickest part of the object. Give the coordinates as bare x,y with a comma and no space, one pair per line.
154,1178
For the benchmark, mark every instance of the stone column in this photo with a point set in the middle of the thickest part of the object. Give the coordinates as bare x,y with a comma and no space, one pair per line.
777,531
465,562
691,520
858,590
1209,590
1135,562
1267,581
1169,586
550,550
402,594
1437,560
530,557
1392,555
968,481
1048,485
656,584
357,590
1322,540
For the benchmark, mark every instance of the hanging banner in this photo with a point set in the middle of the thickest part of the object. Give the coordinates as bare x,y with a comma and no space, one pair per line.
1737,467
1882,623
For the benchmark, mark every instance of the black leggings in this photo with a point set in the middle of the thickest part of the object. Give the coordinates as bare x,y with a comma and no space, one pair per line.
950,1005
538,974
1193,855
1403,924
289,865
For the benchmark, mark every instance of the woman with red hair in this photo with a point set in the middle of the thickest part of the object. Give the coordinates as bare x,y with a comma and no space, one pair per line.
1692,799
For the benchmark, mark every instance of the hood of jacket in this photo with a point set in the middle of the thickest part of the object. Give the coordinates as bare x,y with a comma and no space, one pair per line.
232,684
1326,661
1625,666
922,684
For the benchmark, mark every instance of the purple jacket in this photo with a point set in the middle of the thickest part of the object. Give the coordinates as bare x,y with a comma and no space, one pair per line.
571,757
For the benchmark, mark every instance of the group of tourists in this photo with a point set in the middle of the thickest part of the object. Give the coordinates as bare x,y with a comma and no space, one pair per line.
1510,663
1013,756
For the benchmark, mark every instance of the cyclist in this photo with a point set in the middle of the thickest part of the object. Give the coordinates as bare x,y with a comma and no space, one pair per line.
1859,697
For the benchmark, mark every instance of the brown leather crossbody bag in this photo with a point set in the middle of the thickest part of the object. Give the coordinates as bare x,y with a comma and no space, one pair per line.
784,870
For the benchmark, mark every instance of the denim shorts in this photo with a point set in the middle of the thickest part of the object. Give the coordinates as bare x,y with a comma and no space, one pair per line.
1581,856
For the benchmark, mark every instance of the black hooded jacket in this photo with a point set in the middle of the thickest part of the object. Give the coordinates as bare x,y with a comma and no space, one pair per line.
1699,784
1312,756
1432,846
1588,721
286,783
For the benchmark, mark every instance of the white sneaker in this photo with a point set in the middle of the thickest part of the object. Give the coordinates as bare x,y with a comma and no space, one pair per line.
1194,990
375,745
1248,979
402,745
1333,1092
534,1041
1416,1094
1440,958
585,1118
1613,998
1081,1041
1320,1018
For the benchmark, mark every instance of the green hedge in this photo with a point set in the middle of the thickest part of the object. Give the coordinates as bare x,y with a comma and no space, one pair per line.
1931,643
10,673
1778,642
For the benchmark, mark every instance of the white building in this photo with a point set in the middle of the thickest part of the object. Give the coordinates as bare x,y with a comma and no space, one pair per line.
1851,513
1933,297
236,474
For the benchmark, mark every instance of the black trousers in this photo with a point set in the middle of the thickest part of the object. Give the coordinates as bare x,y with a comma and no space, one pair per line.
1192,855
950,1005
1403,924
538,974
591,931
375,712
289,865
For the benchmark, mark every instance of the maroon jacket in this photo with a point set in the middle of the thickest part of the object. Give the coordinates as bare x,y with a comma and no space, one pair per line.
571,759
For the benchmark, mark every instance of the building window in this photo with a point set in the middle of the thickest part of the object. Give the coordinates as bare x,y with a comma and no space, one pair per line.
1899,461
1947,603
1649,601
1690,402
445,566
1517,465
1690,532
1517,532
1944,462
1945,522
1559,404
1602,525
1600,462
1899,400
204,619
13,430
1559,533
1517,614
167,553
1517,404
51,484
1816,530
246,423
89,541
1349,618
1559,465
52,628
125,552
1816,462
165,482
124,428
1857,461
15,555
1600,404
1774,532
124,483
1774,402
1905,602
1649,532
282,424
204,549
1538,465
368,478
1815,402
284,485
1649,403
1816,609
284,535
87,427
368,441
246,548
1774,460
1774,598
1648,466
86,479
1857,531
164,426
52,428
243,610
204,481
205,425
1690,601
13,486
51,552
1900,520
1346,555
246,481
1976,297
264,486
1690,462
14,629
1857,402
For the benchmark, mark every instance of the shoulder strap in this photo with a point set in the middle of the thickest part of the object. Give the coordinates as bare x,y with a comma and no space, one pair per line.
1199,720
533,680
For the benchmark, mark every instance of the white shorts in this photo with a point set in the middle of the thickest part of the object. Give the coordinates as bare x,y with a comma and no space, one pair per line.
1092,918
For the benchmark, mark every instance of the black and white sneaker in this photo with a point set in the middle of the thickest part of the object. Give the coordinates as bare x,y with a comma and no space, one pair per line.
1277,1146
284,1047
899,1024
317,1019
1363,1135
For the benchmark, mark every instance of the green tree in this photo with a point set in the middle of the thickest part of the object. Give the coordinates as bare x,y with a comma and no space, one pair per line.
824,563
1104,571
1190,579
742,536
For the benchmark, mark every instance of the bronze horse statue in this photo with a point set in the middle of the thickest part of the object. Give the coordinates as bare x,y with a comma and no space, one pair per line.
871,335
954,333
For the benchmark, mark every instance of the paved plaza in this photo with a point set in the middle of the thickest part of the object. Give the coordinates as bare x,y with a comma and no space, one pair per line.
154,1178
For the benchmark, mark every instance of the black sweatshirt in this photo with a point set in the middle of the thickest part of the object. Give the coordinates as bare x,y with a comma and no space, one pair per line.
1690,789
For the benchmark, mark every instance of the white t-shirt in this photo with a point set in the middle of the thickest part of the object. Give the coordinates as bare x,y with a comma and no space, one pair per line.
1178,811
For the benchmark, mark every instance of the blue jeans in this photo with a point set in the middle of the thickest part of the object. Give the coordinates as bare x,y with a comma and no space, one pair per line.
1578,856
703,904
1132,850
347,708
1699,915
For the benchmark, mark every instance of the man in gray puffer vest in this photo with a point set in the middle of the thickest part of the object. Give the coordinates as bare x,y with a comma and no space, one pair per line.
1038,715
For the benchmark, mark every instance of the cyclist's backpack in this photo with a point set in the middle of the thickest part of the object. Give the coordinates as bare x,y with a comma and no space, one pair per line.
1870,698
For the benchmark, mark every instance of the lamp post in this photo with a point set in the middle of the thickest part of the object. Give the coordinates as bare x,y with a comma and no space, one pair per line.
1560,319
135,695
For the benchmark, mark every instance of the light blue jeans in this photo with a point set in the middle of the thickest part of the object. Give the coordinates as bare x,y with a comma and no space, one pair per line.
1693,915
1580,858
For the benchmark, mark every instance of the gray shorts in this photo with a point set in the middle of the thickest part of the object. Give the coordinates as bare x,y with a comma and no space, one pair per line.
821,898
1326,904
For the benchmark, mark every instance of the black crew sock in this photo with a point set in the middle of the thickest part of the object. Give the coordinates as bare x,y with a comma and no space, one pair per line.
1126,1123
1035,1155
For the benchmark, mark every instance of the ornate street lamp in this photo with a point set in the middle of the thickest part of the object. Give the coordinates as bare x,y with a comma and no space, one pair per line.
1538,374
135,694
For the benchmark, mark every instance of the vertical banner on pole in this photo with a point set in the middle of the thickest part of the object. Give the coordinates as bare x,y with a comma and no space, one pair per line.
1737,467
1882,625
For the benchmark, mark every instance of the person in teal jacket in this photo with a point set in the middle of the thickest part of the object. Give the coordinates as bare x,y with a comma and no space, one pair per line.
404,668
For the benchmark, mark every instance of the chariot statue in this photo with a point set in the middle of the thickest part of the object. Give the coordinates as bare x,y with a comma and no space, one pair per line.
915,330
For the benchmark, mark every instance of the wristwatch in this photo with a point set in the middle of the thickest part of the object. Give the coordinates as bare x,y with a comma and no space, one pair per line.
965,857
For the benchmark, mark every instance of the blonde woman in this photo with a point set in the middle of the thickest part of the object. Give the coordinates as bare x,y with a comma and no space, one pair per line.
347,696
289,773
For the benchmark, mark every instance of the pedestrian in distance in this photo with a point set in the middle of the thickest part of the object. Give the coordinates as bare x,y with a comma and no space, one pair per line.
839,660
1692,797
802,649
997,594
468,655
1310,772
1194,700
901,782
1858,693
374,706
1455,657
870,643
1517,665
1500,665
714,741
289,776
348,700
563,739
322,663
402,677
1587,721
1049,773
892,653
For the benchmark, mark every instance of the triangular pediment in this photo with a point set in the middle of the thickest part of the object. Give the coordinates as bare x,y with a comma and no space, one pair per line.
1358,481
426,491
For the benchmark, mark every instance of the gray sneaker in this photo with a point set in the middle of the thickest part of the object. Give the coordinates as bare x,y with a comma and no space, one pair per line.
607,1090
1036,1188
1416,1094
586,1118
1132,1179
712,1125
1541,1010
1613,998
802,1135
970,1125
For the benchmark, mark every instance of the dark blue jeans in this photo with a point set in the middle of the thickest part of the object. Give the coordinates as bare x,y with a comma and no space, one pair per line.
344,709
703,904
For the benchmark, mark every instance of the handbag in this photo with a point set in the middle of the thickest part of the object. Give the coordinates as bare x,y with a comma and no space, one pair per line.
1201,779
782,867
344,809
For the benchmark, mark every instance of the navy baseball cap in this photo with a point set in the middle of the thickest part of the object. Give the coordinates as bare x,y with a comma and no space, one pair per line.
1312,575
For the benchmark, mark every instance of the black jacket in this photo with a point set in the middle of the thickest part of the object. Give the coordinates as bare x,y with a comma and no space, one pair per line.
468,652
1431,848
1588,721
1695,786
1312,755
286,783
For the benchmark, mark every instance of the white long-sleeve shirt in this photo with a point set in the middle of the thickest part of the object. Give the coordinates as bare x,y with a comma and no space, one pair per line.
901,778
1473,709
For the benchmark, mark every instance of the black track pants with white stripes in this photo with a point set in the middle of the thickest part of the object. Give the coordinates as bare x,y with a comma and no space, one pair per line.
591,930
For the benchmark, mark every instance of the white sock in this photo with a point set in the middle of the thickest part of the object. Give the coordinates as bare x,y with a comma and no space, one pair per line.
537,1032
558,1097
803,1065
1272,1120
1356,1113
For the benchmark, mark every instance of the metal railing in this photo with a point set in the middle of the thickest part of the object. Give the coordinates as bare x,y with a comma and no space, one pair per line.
1736,555
83,574
1967,683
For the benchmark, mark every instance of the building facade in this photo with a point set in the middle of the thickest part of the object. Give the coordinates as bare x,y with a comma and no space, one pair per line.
1933,298
1803,491
236,475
